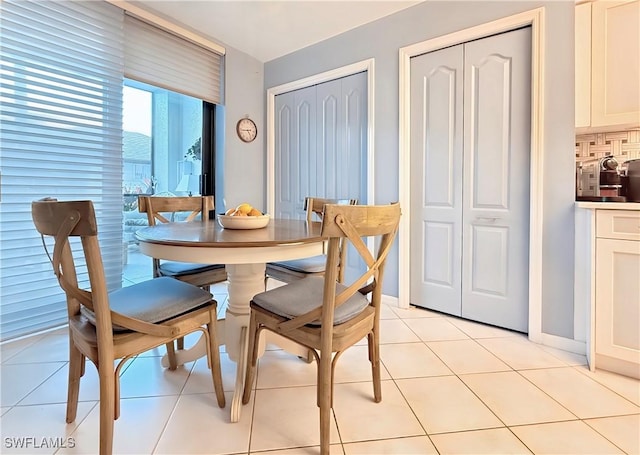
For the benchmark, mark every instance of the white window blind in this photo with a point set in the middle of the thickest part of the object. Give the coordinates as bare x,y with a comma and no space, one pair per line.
60,136
159,58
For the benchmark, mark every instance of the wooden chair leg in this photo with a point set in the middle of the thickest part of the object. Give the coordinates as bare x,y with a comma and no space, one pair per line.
171,356
324,401
107,404
116,396
76,367
180,343
307,358
374,357
83,365
214,349
252,350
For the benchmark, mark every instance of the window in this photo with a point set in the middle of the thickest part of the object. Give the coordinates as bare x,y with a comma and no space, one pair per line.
60,136
162,148
63,68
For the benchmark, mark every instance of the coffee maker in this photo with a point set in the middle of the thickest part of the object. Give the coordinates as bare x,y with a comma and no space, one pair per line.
610,183
598,178
630,178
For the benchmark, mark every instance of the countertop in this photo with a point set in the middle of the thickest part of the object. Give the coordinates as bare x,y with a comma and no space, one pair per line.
609,205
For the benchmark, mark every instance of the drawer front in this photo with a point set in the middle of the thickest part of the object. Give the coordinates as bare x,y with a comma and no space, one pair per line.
618,224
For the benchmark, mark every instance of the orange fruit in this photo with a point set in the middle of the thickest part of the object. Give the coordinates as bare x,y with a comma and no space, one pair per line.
255,212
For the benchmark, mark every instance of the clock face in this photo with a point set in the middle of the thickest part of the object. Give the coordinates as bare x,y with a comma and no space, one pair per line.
246,129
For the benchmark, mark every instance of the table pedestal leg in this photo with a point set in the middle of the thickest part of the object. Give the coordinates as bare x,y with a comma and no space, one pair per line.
245,281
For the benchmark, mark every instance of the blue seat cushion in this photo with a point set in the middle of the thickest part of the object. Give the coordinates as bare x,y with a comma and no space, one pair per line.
154,301
175,269
304,295
314,264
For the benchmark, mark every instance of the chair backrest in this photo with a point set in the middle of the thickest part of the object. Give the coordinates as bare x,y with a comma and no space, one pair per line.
161,209
64,220
314,206
352,224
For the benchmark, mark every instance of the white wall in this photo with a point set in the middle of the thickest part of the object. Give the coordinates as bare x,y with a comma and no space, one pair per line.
382,39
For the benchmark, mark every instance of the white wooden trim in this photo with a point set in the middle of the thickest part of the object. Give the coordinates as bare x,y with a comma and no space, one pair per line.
348,70
167,25
564,344
584,290
389,300
534,18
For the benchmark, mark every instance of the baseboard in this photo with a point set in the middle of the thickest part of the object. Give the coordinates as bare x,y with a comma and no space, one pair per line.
390,300
565,344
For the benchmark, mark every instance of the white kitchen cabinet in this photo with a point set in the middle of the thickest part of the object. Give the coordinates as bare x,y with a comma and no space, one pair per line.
583,65
609,42
617,291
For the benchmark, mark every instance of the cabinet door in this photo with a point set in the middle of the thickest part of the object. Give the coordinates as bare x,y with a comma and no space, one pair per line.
583,64
615,63
618,299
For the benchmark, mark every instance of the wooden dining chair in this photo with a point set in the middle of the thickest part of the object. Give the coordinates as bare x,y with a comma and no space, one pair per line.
325,315
108,326
296,269
166,209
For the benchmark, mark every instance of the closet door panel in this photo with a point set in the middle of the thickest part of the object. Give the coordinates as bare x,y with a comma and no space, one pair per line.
488,247
436,176
352,175
321,147
496,180
295,137
285,140
489,100
328,145
351,169
305,176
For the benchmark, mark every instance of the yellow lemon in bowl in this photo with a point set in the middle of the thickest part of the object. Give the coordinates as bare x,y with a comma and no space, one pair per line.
244,208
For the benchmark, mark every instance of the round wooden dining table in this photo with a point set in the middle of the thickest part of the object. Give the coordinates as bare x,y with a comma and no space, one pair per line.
245,253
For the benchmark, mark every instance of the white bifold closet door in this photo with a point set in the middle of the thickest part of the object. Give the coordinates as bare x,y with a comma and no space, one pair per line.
321,147
470,158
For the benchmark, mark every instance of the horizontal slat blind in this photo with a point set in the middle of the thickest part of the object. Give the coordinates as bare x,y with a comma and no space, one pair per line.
165,60
60,136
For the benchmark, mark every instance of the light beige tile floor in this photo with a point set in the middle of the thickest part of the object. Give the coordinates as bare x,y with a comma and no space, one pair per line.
449,386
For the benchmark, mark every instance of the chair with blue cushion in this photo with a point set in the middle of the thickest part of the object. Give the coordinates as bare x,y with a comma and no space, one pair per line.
296,269
108,326
327,316
171,209
174,209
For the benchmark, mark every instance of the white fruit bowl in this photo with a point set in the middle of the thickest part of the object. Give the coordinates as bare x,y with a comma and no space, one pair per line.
243,222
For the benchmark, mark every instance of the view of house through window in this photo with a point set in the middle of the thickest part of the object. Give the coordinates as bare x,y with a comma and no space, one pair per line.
161,148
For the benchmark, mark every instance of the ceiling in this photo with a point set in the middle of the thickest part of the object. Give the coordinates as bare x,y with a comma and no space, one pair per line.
268,29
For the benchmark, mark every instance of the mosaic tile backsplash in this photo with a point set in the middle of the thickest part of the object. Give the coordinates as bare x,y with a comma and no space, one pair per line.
622,145
592,147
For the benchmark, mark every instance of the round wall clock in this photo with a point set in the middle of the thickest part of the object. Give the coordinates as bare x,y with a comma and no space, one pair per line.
246,129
